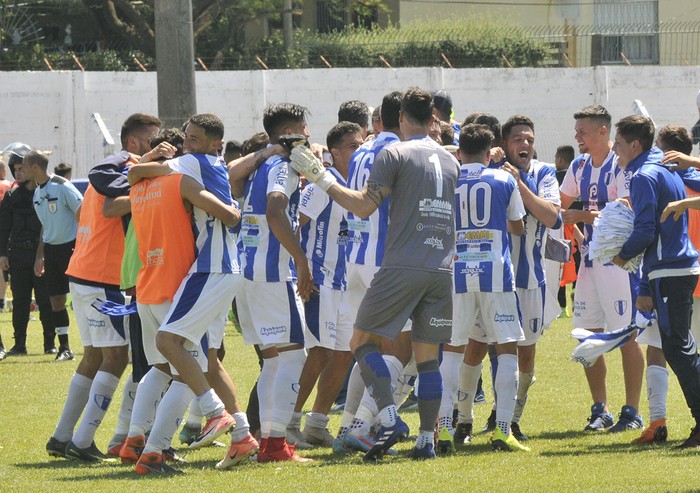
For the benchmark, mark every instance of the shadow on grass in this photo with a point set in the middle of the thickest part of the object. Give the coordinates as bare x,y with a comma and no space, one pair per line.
558,435
34,360
608,448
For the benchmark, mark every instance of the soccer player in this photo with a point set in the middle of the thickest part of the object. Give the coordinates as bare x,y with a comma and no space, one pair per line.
268,245
670,261
539,191
212,285
484,288
356,112
94,273
364,253
109,179
415,278
604,293
57,203
323,237
676,139
162,217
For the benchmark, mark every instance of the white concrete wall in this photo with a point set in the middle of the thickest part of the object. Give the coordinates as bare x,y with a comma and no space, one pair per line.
52,110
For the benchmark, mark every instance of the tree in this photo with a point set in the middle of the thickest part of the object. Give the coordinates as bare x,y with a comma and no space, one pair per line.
132,22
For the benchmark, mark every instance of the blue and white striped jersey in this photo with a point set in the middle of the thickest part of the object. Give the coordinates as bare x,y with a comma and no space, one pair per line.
527,250
596,187
325,236
367,237
486,199
263,258
214,244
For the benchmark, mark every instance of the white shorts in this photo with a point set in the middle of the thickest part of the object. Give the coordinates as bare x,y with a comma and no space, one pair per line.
200,305
531,304
650,336
270,313
553,271
359,278
328,320
603,298
97,329
152,316
498,313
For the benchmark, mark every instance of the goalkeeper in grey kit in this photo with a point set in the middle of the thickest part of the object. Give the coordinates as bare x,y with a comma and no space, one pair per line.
415,279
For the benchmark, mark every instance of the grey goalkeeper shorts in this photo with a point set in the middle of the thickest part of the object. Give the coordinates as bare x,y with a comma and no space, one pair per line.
396,294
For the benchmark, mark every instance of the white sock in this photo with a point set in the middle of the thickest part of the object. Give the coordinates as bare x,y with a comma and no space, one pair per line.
356,389
151,389
363,421
295,421
242,428
449,369
525,380
507,388
125,411
168,417
388,415
468,383
424,438
657,390
78,393
266,381
405,382
210,404
101,392
194,415
316,420
285,390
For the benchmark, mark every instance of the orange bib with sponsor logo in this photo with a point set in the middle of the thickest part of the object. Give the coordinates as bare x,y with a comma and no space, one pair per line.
164,233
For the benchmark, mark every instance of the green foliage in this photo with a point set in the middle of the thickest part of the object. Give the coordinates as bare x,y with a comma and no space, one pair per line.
472,42
35,58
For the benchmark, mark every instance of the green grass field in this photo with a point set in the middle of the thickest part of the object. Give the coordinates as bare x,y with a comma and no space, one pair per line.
563,458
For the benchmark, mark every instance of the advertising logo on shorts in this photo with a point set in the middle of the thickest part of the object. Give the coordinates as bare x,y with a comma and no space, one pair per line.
620,306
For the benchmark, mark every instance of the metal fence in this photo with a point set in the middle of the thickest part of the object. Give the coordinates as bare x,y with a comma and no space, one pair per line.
671,43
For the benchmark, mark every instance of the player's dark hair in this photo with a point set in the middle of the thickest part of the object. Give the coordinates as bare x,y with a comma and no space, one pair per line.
566,152
636,127
417,105
391,107
354,111
377,114
212,125
675,138
488,120
233,146
278,116
339,131
447,133
36,157
173,136
62,169
255,143
513,122
475,139
135,124
596,113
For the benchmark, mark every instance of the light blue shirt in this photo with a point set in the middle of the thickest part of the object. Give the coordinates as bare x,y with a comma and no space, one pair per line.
56,202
